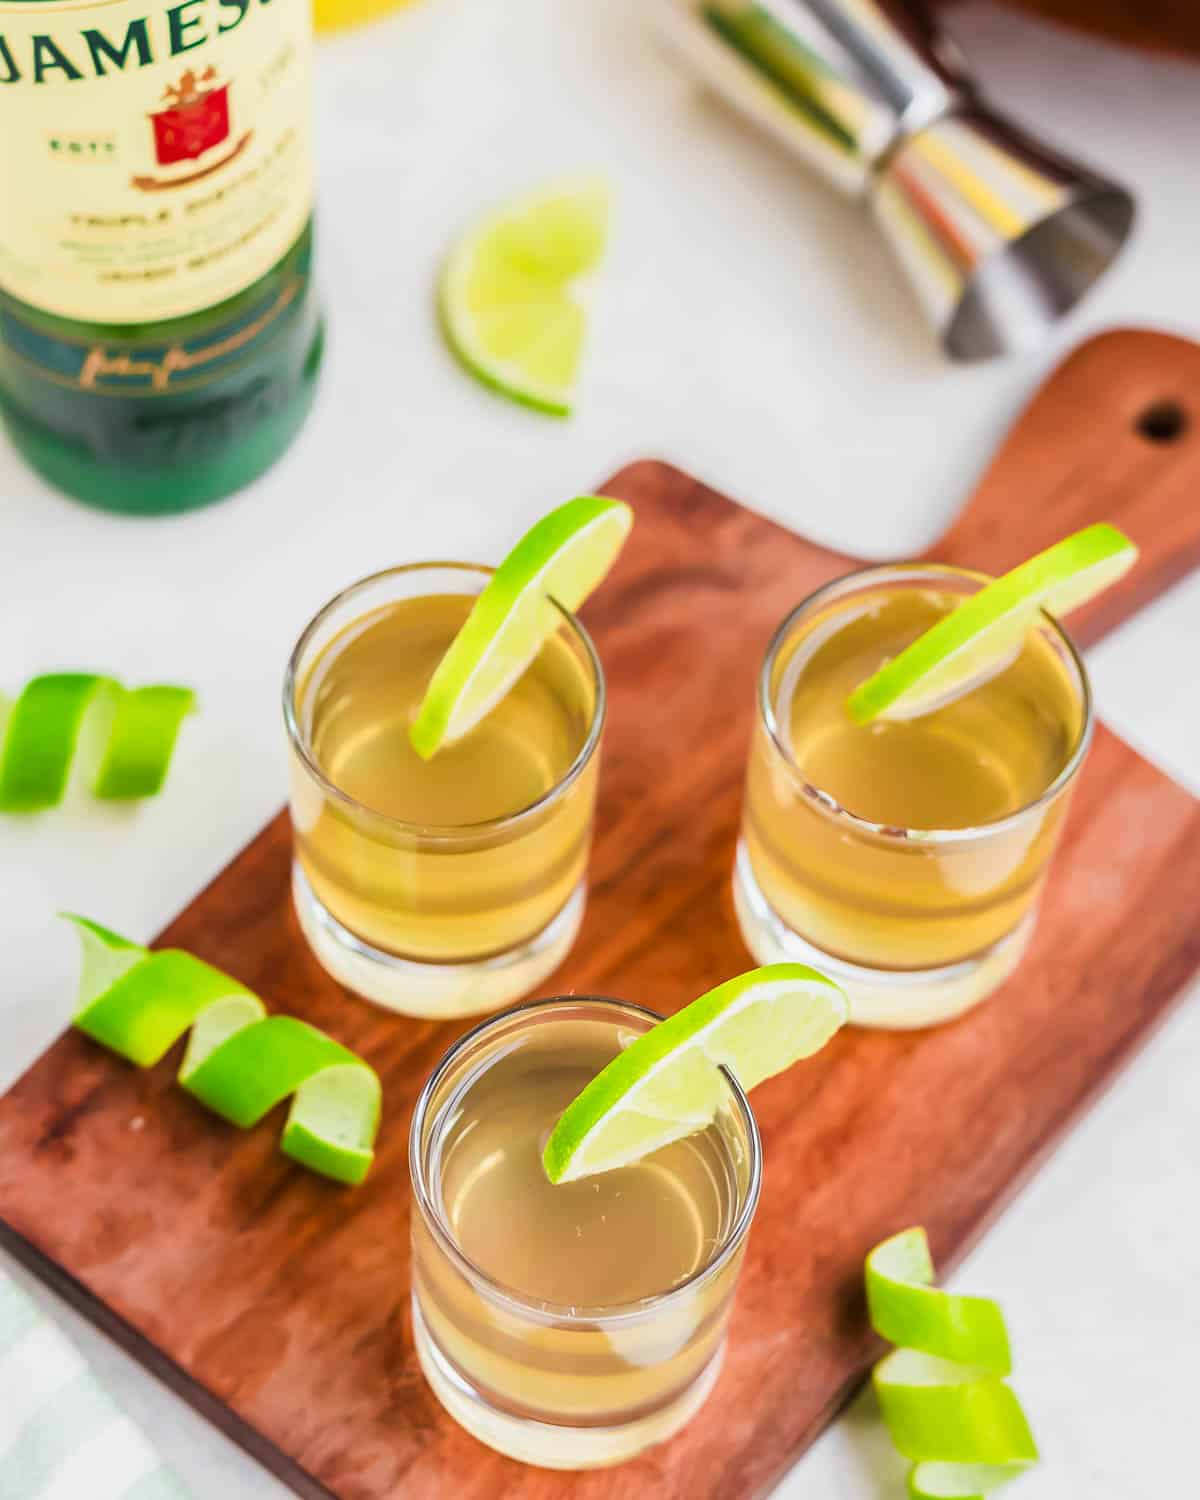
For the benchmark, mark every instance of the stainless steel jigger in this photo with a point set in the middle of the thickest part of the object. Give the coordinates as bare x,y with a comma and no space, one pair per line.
999,234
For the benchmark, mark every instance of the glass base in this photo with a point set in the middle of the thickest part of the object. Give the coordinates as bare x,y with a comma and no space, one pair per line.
547,1445
434,991
893,999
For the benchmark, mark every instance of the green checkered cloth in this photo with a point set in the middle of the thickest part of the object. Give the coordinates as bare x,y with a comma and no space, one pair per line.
61,1436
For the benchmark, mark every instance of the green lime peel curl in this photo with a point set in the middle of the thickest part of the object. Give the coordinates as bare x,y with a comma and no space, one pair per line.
942,1390
239,1062
123,737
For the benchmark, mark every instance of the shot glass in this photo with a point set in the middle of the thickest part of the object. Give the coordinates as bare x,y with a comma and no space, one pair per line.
904,859
572,1326
452,886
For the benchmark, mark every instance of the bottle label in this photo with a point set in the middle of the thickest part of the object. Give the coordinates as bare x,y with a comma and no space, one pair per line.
149,365
154,160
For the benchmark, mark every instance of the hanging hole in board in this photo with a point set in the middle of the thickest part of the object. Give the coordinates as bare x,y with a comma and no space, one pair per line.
1163,422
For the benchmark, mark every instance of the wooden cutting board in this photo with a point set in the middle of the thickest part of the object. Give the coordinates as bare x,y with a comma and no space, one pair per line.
1158,25
279,1304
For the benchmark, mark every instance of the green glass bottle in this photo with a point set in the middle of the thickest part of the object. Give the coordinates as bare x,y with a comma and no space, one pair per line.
160,337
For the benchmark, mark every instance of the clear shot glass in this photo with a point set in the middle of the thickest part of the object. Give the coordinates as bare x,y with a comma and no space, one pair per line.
572,1326
904,860
455,886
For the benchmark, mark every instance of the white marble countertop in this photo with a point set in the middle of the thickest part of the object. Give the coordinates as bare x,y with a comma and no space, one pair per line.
750,328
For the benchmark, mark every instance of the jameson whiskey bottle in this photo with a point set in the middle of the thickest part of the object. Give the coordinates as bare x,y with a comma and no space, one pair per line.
159,332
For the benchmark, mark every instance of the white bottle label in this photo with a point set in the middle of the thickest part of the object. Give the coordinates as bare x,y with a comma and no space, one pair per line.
154,159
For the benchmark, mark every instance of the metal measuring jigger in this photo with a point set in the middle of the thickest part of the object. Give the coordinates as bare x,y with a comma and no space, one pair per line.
999,234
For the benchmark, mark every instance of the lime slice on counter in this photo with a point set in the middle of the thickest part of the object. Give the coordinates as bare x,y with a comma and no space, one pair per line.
982,635
557,563
505,300
667,1084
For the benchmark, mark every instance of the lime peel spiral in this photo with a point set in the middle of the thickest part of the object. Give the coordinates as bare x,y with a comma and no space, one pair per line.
239,1061
123,737
942,1390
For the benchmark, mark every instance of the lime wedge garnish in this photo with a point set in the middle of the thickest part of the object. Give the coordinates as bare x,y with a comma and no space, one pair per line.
667,1084
982,635
557,563
942,1391
505,299
239,1061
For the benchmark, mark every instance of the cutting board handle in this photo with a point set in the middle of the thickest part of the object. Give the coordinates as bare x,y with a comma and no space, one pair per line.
1113,435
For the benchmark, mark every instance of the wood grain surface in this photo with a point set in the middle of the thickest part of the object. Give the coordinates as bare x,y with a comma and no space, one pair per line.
279,1303
1156,25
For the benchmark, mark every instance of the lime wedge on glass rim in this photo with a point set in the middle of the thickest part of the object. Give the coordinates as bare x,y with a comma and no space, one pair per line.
982,635
554,566
505,297
667,1084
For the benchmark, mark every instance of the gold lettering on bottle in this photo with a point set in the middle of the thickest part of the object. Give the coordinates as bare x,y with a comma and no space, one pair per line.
177,360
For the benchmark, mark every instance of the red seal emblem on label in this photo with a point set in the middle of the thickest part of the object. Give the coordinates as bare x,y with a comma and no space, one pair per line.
196,118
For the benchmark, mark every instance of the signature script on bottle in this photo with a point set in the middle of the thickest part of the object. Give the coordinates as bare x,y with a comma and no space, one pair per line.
177,360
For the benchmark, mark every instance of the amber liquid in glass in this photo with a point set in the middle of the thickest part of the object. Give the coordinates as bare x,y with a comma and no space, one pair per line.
383,863
585,1247
876,900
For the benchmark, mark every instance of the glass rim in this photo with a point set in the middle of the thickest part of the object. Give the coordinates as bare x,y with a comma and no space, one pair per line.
536,1308
827,802
447,832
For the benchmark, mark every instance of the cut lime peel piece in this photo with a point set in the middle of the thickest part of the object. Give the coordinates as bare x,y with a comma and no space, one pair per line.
240,1062
942,1392
936,1409
554,566
667,1084
215,1025
106,958
981,636
141,741
504,301
908,1310
120,739
938,1481
44,727
145,1012
333,1121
